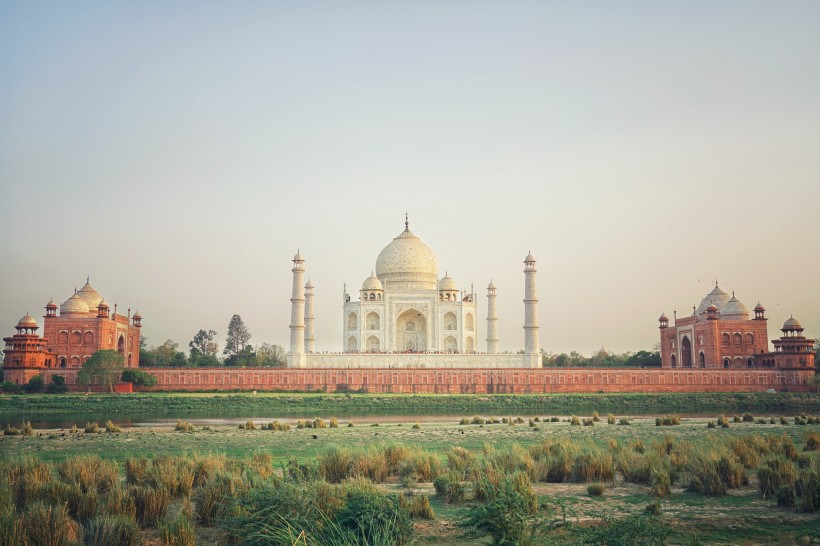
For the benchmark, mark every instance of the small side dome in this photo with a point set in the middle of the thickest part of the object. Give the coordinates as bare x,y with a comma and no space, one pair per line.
51,304
491,286
712,307
298,257
529,258
759,307
792,324
27,322
663,318
372,283
137,315
447,284
74,305
103,305
734,308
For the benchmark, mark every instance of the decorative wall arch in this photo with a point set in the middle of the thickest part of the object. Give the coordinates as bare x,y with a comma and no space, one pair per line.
373,321
469,345
702,360
750,339
121,345
450,321
373,344
469,323
352,322
76,337
88,338
738,339
724,338
738,363
62,338
674,360
351,344
726,363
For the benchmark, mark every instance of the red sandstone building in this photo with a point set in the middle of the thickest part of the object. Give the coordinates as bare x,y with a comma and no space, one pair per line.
721,334
84,325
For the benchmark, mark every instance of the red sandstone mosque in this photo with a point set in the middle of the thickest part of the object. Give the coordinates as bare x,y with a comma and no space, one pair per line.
84,325
720,334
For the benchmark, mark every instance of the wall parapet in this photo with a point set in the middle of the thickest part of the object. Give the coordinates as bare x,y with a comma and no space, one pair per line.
480,380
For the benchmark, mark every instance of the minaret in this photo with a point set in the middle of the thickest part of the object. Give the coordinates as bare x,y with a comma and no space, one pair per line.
492,320
309,337
531,344
296,355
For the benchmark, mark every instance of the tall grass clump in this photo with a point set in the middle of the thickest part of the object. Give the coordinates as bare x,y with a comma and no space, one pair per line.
179,532
812,441
151,504
184,426
418,506
110,426
49,525
113,531
449,488
92,428
610,419
593,466
775,473
596,489
90,473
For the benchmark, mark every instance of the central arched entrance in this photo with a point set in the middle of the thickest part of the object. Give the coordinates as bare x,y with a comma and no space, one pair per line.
686,352
411,331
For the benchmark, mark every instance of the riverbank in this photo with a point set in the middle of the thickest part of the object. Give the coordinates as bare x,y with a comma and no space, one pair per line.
186,404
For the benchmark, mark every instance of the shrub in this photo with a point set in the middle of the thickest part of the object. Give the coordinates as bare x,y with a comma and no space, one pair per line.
554,419
319,423
135,470
748,418
57,385
807,488
11,431
334,423
92,428
35,384
375,518
139,378
575,421
25,429
596,489
653,508
736,419
710,424
509,513
596,416
113,531
624,421
416,426
588,422
449,488
783,421
610,419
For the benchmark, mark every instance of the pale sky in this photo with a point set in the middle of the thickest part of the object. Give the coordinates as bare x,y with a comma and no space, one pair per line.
181,152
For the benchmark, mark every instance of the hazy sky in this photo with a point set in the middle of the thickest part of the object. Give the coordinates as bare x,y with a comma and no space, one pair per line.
181,152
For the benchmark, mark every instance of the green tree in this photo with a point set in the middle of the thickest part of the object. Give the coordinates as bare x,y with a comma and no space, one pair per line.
204,349
57,385
644,359
104,367
139,377
244,358
35,384
268,355
238,337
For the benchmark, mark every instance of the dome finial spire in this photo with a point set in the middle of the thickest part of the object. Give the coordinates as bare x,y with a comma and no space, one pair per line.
406,222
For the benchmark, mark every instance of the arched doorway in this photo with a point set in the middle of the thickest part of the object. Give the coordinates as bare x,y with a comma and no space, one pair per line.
411,331
674,361
686,352
702,360
121,345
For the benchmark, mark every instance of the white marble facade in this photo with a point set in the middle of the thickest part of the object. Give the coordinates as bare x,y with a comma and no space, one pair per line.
410,316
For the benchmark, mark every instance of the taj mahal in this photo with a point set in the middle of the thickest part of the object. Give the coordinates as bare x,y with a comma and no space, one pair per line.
408,317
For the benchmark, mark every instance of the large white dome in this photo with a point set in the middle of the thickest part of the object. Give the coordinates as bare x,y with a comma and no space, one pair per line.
716,297
407,259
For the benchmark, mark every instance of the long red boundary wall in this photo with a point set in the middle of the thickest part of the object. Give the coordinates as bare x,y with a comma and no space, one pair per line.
470,381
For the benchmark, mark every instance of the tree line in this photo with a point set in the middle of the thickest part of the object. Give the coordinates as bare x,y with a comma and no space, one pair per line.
603,359
203,350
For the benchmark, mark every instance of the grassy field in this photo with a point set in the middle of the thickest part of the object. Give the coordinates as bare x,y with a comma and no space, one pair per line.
738,515
182,404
